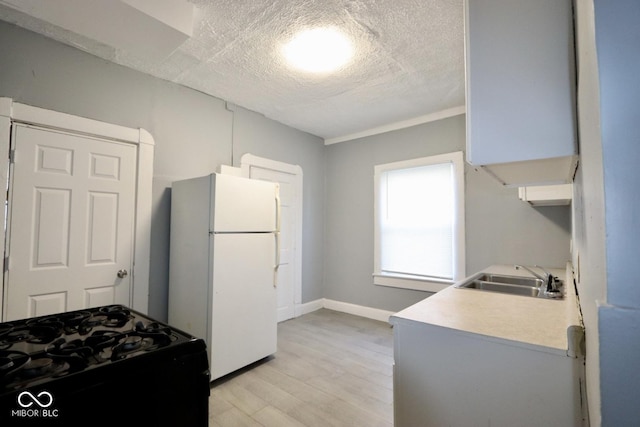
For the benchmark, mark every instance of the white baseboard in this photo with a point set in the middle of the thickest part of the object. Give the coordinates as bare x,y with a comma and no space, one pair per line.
344,307
309,307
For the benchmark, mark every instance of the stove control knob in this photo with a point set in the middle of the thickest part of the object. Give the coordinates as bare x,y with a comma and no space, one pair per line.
122,274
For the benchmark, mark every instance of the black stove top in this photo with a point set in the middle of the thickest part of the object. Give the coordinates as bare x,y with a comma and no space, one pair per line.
105,349
34,350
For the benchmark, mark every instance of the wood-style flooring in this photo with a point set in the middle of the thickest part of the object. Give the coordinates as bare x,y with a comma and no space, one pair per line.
331,369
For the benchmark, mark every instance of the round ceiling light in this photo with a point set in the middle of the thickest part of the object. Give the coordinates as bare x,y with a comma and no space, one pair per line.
319,50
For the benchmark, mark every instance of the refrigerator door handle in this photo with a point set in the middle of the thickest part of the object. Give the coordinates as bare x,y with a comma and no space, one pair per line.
277,265
277,249
277,236
278,210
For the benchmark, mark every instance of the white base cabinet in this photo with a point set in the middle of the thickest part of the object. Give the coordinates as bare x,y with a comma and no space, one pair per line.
444,377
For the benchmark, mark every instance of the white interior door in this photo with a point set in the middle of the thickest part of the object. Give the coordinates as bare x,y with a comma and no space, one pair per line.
288,272
71,220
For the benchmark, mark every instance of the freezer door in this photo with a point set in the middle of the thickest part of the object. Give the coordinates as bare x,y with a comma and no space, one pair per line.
243,205
244,301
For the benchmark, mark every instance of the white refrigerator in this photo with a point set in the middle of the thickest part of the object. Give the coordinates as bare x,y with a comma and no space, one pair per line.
223,267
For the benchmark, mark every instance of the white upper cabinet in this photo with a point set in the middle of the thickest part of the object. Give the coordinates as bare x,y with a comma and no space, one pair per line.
520,89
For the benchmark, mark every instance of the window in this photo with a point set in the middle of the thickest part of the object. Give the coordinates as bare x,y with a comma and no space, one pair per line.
419,222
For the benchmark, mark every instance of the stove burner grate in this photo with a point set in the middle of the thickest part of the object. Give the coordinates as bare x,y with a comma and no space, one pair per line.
53,346
31,333
11,362
44,367
111,317
142,338
5,328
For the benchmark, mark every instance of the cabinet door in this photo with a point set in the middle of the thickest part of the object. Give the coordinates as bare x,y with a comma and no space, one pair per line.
520,80
444,377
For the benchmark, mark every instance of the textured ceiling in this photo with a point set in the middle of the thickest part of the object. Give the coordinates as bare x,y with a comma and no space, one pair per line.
409,59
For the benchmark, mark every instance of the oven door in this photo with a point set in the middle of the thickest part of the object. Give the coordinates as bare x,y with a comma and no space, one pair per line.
168,386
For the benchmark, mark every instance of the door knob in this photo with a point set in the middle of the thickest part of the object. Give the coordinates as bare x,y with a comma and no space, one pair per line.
122,274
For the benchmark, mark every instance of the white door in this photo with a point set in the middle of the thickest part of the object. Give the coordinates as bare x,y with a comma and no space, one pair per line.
71,220
289,226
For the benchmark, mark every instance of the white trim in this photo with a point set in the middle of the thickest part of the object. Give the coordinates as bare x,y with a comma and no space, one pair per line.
5,139
55,120
249,160
358,310
145,151
309,307
444,114
142,245
426,284
5,107
345,307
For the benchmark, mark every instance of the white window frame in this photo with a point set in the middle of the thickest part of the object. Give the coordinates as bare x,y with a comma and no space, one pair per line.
417,282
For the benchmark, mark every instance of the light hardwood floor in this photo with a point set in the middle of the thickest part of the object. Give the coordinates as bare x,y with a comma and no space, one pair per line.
331,369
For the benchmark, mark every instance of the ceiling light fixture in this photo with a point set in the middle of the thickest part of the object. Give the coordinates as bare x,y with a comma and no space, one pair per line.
320,50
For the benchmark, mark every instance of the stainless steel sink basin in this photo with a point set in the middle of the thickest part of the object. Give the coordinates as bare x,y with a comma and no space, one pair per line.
502,287
511,280
514,285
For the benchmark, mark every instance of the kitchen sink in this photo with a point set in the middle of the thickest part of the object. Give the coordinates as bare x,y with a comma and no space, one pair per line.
511,280
514,285
502,287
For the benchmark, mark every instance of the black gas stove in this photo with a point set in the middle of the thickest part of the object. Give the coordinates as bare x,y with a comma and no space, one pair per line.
101,366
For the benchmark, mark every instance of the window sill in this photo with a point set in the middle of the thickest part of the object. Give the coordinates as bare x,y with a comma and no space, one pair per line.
414,283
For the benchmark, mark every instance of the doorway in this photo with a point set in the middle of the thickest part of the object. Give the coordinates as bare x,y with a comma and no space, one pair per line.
77,212
289,177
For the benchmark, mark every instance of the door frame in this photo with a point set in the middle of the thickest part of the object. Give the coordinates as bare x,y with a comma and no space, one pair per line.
247,161
13,112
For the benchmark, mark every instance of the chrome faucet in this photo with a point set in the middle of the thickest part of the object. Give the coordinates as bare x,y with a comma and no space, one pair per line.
544,279
545,271
551,281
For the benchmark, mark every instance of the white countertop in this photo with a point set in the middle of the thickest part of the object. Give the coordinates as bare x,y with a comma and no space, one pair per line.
517,319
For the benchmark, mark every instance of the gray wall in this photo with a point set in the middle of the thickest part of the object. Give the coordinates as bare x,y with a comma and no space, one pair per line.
618,42
194,134
606,227
499,227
